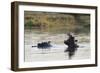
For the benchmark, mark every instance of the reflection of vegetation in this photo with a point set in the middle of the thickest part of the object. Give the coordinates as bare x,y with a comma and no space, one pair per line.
58,22
83,23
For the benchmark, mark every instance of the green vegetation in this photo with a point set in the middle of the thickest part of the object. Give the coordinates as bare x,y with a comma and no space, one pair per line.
57,22
29,24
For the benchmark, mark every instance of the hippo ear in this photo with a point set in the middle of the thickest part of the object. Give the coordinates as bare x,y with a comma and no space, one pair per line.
65,42
76,40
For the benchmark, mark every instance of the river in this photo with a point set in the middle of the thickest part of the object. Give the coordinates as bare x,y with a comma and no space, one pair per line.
56,52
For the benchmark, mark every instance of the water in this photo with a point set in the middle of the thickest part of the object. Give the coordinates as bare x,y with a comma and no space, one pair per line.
56,52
